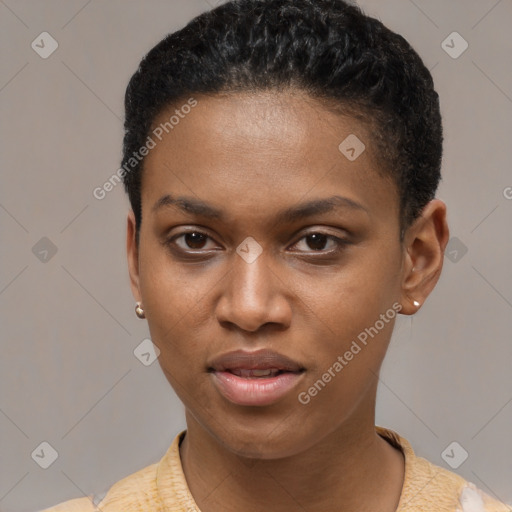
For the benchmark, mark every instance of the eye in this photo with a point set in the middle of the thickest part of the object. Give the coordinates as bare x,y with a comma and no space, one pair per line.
318,241
195,240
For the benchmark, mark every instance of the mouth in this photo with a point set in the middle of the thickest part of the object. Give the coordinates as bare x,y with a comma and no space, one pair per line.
257,374
255,378
256,390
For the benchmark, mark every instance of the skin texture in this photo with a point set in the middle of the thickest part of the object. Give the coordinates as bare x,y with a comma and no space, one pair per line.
252,155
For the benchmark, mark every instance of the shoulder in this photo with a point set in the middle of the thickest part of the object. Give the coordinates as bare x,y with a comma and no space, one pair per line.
472,499
76,505
130,493
445,488
137,491
431,488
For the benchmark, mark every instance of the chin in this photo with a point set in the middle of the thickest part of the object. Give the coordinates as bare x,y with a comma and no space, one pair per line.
262,440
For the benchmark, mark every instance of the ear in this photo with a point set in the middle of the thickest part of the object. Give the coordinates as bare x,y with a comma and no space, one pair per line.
132,251
424,245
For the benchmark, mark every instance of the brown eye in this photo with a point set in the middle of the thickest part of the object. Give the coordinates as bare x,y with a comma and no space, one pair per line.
317,242
190,241
195,240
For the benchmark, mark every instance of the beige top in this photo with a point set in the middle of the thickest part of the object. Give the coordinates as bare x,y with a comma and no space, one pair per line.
162,487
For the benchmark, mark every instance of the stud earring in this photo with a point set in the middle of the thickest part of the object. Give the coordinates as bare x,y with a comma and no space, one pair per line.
416,303
139,311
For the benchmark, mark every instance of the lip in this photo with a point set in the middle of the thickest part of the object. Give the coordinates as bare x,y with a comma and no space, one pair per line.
250,390
255,391
258,360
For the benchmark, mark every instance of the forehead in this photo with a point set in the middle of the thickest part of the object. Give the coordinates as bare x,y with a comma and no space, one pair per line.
272,147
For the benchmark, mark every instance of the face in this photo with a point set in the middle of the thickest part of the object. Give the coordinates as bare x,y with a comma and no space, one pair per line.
259,233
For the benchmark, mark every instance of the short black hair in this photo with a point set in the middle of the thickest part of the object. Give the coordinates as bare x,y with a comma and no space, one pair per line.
329,49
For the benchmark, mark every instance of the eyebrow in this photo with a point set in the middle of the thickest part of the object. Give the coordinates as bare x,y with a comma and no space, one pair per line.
301,211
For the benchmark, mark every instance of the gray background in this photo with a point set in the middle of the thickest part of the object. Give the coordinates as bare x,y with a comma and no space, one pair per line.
68,331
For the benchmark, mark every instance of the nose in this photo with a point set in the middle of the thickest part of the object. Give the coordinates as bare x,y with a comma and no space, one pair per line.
254,295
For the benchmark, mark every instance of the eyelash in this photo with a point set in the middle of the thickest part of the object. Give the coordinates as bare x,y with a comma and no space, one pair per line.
341,243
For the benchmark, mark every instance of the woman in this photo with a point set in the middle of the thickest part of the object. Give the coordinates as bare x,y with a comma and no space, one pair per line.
282,159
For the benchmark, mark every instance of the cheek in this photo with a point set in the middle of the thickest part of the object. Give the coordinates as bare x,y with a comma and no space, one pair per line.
177,301
345,370
168,291
169,303
344,321
350,301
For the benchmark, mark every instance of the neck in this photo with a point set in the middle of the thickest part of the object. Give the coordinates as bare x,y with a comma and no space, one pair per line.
351,469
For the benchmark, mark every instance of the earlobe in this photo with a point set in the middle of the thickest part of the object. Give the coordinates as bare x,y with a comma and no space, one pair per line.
424,243
132,251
